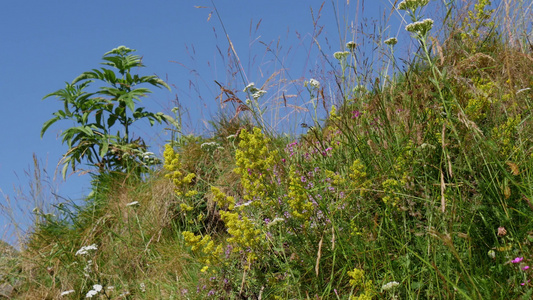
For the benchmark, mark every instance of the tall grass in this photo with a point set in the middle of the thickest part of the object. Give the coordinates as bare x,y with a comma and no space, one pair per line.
416,184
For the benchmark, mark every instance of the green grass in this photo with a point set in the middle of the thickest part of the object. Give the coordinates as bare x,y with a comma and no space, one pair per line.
422,179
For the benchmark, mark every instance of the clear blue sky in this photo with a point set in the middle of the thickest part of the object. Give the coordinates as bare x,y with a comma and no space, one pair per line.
47,43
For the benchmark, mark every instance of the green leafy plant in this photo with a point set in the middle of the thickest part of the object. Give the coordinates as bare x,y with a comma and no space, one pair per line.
96,113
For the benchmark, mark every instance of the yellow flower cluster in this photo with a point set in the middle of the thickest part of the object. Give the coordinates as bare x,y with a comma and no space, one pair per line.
209,253
358,280
391,188
359,177
477,106
336,179
222,200
298,200
473,24
242,233
504,135
181,181
254,164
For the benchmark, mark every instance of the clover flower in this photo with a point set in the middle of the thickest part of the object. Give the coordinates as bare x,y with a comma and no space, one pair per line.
391,41
420,27
341,55
84,250
351,45
412,4
502,231
390,285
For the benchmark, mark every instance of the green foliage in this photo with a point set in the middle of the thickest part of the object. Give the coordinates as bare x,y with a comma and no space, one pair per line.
96,114
420,188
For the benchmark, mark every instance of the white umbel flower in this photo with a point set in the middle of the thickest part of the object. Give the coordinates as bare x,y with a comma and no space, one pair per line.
390,285
420,27
412,4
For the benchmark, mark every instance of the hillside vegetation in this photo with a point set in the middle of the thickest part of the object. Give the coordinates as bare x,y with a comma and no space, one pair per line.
414,185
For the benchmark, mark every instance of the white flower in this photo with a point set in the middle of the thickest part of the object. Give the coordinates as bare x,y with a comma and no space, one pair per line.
276,220
341,55
134,203
66,293
85,250
314,83
97,287
250,87
91,293
420,27
143,287
412,4
258,94
391,41
390,285
244,204
351,45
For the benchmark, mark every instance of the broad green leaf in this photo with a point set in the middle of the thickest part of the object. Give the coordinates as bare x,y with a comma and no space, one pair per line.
111,120
129,103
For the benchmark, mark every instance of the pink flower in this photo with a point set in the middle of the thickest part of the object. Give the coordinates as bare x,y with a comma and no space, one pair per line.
524,283
517,260
525,268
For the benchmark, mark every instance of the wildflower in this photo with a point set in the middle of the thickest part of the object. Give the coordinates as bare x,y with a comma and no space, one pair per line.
517,260
391,41
491,254
341,55
502,231
420,27
96,289
525,268
313,83
276,220
524,283
390,285
250,87
84,250
258,94
412,4
143,287
91,293
66,293
134,203
351,45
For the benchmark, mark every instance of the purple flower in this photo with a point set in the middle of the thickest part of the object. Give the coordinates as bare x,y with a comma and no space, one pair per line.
356,114
525,268
517,260
211,293
524,283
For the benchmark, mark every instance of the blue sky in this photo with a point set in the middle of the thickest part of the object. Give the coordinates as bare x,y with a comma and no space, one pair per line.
47,43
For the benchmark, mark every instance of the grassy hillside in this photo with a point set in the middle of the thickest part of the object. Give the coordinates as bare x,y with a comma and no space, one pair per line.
415,185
